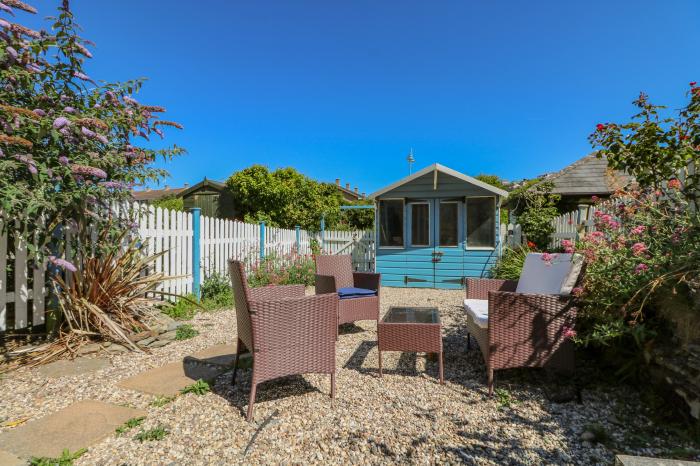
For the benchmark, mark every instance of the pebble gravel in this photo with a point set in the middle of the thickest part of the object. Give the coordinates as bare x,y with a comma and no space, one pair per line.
406,417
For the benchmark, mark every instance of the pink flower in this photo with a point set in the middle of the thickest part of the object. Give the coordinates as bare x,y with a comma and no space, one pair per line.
577,291
595,198
64,264
639,248
569,332
674,184
641,268
548,258
638,230
568,246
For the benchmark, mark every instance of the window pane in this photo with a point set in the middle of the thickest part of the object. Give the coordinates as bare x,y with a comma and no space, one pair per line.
448,223
391,223
420,225
481,222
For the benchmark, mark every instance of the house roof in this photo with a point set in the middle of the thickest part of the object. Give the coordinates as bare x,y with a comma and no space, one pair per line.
155,194
436,167
589,175
204,183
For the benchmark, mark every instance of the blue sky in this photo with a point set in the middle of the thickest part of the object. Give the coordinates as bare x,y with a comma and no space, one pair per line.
345,89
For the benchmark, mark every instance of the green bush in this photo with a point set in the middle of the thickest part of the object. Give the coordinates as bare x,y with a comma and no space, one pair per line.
286,269
184,309
170,203
185,332
510,264
216,292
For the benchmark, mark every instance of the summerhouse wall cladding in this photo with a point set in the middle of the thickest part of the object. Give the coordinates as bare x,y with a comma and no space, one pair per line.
436,227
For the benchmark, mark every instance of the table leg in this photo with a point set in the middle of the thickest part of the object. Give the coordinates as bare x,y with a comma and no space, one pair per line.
380,363
442,375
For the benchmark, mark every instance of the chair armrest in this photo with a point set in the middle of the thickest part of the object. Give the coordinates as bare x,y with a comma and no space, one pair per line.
529,329
276,292
367,280
309,320
478,288
325,284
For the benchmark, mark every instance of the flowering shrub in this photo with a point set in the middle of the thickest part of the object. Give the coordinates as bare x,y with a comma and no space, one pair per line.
535,208
69,146
283,269
645,248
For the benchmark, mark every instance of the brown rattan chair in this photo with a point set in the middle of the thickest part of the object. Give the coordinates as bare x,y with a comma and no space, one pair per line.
285,331
334,274
523,324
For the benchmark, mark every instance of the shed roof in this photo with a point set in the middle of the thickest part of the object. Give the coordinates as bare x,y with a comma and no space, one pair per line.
217,185
437,168
155,194
589,175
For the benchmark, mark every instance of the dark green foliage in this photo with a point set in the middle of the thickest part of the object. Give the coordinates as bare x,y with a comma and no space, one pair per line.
510,264
200,387
216,292
534,205
170,203
185,332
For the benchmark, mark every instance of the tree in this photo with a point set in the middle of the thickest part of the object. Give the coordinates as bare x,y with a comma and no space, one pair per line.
535,208
171,203
656,150
284,198
493,180
69,147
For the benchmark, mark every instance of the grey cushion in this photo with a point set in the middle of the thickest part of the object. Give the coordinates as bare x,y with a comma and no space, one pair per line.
540,277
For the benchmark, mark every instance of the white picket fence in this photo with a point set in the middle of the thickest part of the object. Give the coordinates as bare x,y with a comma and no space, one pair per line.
24,288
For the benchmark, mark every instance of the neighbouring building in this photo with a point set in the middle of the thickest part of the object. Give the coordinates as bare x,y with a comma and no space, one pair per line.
212,197
150,195
348,194
436,227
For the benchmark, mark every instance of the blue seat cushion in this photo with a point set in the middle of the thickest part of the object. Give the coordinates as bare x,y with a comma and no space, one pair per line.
352,292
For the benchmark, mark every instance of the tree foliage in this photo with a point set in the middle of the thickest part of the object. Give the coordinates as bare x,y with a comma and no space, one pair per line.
656,149
286,198
170,202
535,207
69,146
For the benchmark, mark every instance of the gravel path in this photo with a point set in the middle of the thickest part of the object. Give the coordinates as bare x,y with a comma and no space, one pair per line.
405,417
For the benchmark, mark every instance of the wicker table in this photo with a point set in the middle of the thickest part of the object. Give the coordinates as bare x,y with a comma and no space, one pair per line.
411,329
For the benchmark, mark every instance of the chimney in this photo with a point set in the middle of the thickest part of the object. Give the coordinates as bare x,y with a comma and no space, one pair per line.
357,190
337,181
186,185
347,186
364,195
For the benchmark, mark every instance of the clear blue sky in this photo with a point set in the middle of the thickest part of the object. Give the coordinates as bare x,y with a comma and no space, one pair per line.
344,89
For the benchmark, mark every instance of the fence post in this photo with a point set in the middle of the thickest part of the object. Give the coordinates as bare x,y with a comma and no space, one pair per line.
262,240
323,232
297,230
196,259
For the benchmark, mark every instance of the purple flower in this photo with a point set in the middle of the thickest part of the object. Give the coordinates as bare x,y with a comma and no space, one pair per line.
5,24
33,67
6,9
29,162
39,112
144,135
61,122
641,268
112,184
62,263
129,100
63,160
85,170
69,110
101,138
80,48
82,76
87,133
11,52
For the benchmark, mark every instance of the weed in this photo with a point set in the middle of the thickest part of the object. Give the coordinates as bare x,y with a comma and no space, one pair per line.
185,332
600,435
504,398
200,387
66,459
130,424
184,309
162,400
157,433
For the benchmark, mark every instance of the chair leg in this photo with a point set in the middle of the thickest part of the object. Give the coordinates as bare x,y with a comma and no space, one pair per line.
380,363
239,346
251,402
490,381
333,386
442,371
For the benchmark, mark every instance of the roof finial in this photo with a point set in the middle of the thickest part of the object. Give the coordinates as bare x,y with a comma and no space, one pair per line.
410,159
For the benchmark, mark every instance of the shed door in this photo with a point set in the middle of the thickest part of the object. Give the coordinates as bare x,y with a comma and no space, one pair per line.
448,254
419,272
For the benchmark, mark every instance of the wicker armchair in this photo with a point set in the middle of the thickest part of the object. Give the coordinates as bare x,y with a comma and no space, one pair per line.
334,273
521,325
285,331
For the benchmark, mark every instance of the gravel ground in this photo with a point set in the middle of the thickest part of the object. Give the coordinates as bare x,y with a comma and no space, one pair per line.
405,417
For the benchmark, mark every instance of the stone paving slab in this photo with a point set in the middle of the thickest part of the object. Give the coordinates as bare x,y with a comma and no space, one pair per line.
77,426
168,380
8,459
69,368
625,460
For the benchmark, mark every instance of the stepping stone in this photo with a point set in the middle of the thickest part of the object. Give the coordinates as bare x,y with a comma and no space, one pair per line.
624,460
8,459
70,368
77,426
168,380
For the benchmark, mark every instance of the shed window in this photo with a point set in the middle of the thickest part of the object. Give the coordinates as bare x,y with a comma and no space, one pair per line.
420,224
481,222
391,223
449,223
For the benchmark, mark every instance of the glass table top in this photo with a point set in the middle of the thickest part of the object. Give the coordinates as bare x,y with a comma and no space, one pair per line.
412,315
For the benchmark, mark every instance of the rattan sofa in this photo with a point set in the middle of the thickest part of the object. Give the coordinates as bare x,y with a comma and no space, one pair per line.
286,332
334,273
524,323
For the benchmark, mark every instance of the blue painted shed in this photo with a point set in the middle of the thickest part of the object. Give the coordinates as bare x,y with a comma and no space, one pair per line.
435,227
